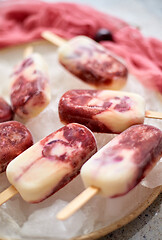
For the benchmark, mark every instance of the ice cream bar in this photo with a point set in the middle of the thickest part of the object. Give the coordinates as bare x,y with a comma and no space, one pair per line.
30,92
51,163
121,164
6,113
102,110
14,139
92,63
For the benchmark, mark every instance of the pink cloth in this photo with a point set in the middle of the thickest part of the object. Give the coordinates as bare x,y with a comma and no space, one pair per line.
23,21
142,55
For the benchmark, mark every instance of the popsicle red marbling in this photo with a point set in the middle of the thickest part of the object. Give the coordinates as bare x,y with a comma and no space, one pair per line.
6,113
30,91
92,63
102,110
121,164
51,163
14,139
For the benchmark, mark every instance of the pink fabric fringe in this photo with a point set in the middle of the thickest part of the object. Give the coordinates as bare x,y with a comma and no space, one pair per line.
23,21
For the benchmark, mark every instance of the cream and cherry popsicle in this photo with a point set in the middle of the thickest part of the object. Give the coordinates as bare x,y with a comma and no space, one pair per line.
89,61
120,165
51,163
6,113
30,91
104,111
14,139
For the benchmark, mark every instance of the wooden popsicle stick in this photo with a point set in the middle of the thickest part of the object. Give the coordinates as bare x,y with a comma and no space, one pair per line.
28,51
7,194
77,203
53,38
152,114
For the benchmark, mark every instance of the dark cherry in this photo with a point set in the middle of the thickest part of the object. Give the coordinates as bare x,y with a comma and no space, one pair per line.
103,35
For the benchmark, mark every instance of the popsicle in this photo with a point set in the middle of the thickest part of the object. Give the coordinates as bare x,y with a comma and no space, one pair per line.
103,110
120,165
51,163
89,61
30,91
14,139
6,113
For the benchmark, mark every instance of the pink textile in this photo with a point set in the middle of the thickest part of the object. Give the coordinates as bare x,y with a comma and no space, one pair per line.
142,55
23,21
